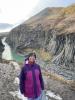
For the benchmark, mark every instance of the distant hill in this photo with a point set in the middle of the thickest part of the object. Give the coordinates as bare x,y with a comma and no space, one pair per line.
4,27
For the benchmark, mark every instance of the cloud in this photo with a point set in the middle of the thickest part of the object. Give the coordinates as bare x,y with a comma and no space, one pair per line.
16,10
0,10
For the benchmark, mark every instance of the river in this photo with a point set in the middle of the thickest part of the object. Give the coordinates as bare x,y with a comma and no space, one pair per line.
9,54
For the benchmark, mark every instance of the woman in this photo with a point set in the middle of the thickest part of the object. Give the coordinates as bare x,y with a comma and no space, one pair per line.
31,81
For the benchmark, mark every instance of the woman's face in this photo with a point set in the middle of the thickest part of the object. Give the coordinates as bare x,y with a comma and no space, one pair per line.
31,59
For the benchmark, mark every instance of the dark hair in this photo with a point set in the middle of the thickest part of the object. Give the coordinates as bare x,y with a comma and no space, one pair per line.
26,57
32,54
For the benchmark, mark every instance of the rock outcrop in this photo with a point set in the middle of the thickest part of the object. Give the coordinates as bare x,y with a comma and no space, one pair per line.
8,73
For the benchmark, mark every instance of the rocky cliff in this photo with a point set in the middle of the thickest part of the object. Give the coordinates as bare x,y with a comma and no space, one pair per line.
52,30
1,48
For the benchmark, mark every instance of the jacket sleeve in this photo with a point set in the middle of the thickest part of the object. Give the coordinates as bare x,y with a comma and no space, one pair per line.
41,79
22,79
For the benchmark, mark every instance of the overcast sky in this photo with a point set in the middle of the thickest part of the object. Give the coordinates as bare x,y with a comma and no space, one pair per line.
16,11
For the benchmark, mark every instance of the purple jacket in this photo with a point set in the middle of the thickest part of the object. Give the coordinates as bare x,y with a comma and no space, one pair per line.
31,81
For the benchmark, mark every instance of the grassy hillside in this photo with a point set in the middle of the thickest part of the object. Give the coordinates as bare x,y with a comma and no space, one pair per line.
60,19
